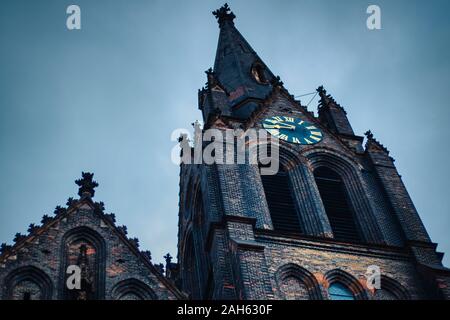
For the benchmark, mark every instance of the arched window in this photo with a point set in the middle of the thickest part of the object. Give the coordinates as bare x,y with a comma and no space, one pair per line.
281,203
390,290
338,291
294,289
132,289
84,248
28,283
296,283
335,200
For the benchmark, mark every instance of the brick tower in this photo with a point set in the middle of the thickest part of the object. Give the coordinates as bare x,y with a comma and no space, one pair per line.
336,207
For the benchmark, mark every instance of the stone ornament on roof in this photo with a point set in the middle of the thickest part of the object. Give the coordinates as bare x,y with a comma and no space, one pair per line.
86,184
224,14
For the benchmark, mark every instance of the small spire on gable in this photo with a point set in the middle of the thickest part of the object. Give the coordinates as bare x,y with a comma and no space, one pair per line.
326,100
332,114
374,144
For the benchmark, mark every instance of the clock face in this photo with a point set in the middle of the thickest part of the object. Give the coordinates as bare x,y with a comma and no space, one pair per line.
292,130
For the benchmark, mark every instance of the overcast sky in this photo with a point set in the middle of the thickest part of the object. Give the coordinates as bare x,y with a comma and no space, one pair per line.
106,98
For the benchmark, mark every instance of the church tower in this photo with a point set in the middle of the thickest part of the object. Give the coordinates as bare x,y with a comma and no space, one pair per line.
334,214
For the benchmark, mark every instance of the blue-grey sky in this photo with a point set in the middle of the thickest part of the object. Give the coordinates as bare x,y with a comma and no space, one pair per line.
107,97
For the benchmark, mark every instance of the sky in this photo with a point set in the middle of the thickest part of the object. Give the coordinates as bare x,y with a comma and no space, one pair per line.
106,98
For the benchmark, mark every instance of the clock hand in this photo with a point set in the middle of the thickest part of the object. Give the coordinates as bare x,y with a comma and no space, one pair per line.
277,126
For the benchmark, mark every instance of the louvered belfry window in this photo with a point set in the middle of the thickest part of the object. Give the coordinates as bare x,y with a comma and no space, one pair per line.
281,203
335,200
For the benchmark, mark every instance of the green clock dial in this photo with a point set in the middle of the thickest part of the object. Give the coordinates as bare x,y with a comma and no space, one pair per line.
294,130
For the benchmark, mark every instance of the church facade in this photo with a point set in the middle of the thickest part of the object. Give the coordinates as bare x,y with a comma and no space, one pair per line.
336,208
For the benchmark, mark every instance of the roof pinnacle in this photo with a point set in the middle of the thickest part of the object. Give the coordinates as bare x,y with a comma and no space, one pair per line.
86,184
224,14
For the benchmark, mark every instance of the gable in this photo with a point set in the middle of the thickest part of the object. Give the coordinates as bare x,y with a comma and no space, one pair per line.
84,236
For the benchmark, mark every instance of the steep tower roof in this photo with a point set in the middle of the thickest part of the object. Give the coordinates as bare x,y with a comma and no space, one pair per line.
242,74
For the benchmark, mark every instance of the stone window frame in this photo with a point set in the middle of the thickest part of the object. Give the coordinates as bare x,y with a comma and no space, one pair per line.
300,164
30,273
395,288
351,175
346,279
355,233
302,275
134,286
80,233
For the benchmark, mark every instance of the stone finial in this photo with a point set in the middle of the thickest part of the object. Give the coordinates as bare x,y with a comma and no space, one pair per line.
184,144
123,230
99,207
326,100
197,133
321,90
224,14
196,125
71,202
134,242
32,228
111,217
183,138
86,184
168,259
5,248
211,79
147,254
59,210
369,134
374,143
19,237
46,218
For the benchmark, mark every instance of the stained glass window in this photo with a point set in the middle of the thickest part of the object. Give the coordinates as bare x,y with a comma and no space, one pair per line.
338,291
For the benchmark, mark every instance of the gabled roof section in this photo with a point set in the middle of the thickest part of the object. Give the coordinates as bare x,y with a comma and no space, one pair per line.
86,192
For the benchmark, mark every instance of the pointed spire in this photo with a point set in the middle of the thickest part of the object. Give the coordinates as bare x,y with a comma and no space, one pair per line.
326,100
86,184
377,153
238,69
332,114
374,144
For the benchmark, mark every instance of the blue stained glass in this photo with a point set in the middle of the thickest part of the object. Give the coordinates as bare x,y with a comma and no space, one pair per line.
338,291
